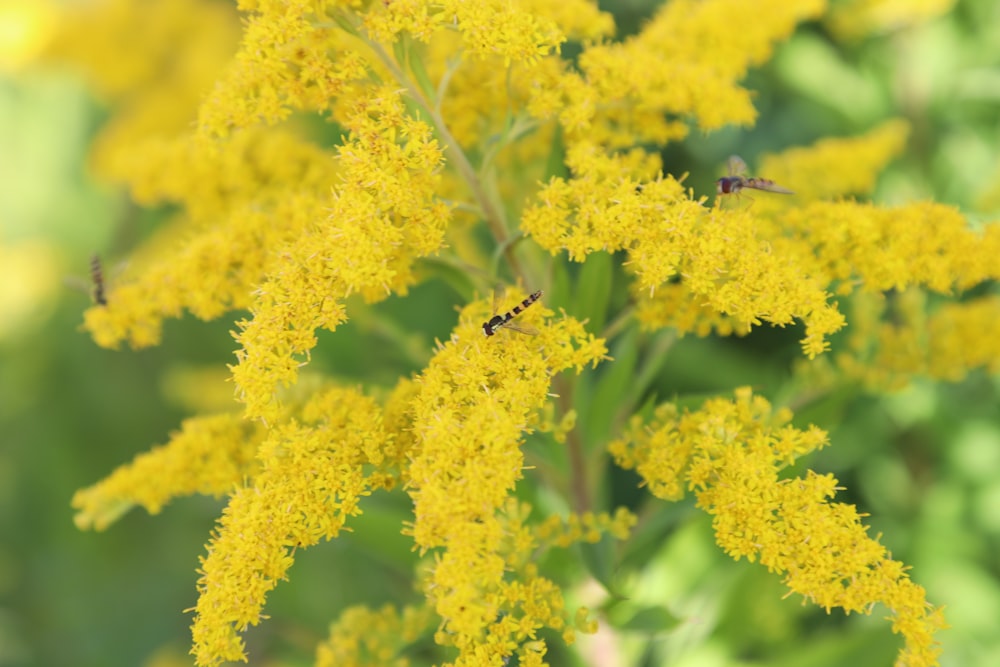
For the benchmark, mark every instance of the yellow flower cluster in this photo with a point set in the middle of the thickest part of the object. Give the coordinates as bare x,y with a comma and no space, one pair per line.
318,466
894,339
286,62
588,527
153,60
209,456
363,637
382,217
857,18
726,259
256,169
877,249
487,28
686,62
725,270
173,43
838,167
476,398
339,447
730,453
209,265
458,106
313,473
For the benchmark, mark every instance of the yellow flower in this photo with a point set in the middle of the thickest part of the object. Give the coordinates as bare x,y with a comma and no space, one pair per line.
730,454
286,61
383,217
212,270
176,44
837,167
210,455
685,62
312,477
476,398
894,339
363,637
858,18
154,60
509,31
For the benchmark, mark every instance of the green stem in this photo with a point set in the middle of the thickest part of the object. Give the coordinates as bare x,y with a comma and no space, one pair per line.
442,88
501,249
518,129
617,325
579,476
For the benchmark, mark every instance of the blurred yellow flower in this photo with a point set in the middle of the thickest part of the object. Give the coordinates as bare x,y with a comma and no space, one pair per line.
25,29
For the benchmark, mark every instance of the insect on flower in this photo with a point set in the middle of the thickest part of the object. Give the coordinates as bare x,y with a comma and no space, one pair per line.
497,321
97,278
737,180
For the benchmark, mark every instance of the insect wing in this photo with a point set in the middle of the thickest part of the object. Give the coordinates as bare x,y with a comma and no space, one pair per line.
498,294
520,328
737,167
766,185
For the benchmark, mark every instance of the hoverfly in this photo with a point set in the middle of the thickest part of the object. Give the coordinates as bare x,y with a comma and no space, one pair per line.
737,180
97,279
496,322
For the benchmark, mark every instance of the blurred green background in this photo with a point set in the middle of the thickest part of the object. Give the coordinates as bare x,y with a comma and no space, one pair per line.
925,463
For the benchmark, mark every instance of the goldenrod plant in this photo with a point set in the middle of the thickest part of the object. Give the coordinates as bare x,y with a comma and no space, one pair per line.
495,149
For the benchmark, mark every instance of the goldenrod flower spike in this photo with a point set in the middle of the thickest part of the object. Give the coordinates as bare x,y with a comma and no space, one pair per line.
287,60
382,217
312,478
476,398
727,259
210,455
685,62
729,453
894,340
363,636
837,167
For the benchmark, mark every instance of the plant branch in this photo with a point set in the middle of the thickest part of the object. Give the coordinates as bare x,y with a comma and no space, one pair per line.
579,476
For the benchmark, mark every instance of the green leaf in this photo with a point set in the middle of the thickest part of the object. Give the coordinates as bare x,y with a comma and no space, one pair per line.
399,52
380,533
828,408
650,620
555,164
454,277
558,293
648,406
654,358
420,73
613,384
732,365
593,290
599,559
345,23
655,526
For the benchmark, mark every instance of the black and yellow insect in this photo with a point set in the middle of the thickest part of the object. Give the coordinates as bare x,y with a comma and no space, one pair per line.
496,322
97,279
